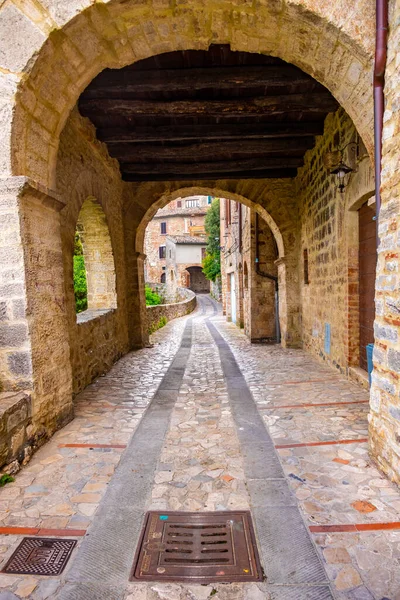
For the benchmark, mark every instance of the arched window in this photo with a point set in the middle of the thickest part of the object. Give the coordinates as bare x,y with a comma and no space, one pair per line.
97,256
162,278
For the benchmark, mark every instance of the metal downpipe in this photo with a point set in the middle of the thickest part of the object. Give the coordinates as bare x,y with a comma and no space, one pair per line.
379,82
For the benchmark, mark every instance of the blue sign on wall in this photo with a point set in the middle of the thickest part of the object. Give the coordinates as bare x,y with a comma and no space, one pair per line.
327,347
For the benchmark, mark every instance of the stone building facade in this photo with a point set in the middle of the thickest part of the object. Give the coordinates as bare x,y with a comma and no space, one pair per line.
249,274
184,256
183,216
51,163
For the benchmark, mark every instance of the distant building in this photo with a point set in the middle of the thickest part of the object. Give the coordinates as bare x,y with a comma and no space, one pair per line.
248,271
185,254
182,219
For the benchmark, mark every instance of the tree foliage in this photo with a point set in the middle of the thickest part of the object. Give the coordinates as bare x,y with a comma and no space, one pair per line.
80,284
212,260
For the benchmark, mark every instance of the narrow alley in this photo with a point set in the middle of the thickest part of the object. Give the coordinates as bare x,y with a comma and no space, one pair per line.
179,426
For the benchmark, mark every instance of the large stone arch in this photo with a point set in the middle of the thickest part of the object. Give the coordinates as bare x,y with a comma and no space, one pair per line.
217,192
272,201
59,49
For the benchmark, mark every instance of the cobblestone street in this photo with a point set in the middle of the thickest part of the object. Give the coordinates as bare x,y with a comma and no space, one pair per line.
143,439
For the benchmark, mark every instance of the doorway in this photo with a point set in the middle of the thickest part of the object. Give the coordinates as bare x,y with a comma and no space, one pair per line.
233,298
367,273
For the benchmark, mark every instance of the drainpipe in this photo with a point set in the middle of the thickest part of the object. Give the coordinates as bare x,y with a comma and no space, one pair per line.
268,276
379,81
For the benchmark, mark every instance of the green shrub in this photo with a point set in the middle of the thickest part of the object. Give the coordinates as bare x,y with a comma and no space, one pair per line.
80,284
4,479
155,326
152,298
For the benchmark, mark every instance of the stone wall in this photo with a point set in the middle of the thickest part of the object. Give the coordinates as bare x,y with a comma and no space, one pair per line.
17,437
85,171
254,293
171,311
385,394
15,345
329,237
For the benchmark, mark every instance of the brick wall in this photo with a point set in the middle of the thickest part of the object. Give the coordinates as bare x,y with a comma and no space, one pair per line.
385,393
329,236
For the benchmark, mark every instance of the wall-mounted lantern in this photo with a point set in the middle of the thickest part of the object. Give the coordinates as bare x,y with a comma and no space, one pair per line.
335,164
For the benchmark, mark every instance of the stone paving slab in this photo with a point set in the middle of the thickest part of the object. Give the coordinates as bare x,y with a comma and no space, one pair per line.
331,483
61,488
213,442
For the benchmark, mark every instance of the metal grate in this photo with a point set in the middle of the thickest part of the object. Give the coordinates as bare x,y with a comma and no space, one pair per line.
197,547
40,556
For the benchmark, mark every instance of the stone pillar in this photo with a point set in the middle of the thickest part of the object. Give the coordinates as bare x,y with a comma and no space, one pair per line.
289,302
34,346
136,301
15,343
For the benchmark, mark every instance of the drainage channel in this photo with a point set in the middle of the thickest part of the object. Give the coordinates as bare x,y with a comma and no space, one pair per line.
292,566
101,568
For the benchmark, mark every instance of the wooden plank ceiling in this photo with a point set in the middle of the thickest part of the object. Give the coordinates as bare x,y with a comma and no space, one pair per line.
213,114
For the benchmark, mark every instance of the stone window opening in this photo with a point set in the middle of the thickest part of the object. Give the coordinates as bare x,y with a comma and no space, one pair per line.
98,259
162,252
192,203
245,276
163,228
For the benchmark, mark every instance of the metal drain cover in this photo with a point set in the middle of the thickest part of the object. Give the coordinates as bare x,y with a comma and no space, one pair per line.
40,556
197,547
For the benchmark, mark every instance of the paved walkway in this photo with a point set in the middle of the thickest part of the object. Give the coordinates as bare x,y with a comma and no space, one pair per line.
327,522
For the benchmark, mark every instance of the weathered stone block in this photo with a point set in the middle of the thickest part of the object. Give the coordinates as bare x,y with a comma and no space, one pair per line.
395,412
13,335
20,39
386,333
20,363
15,420
394,360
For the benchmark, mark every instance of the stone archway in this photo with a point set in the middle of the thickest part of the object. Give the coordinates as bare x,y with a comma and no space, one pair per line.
258,198
330,45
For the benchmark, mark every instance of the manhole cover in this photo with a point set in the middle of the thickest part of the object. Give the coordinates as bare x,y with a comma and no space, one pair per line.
40,556
198,547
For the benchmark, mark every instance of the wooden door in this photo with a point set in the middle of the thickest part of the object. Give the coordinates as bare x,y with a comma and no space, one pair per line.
367,272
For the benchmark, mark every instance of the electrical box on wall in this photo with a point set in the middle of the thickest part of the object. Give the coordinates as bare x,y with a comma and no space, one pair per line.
327,345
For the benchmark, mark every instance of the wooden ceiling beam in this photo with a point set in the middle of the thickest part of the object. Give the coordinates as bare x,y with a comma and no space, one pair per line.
129,83
239,131
212,166
320,103
188,176
209,151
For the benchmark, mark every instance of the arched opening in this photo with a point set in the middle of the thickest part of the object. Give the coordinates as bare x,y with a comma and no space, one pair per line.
98,258
197,281
298,35
293,33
